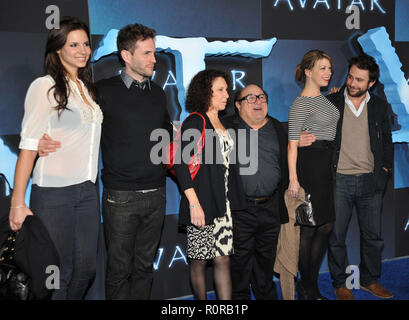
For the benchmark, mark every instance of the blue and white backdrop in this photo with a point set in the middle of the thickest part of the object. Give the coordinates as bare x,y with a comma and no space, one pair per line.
259,41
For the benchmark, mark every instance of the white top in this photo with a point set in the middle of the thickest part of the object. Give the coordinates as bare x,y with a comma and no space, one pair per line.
78,129
351,106
226,144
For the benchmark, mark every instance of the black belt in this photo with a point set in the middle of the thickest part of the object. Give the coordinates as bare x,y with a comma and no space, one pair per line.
258,200
322,144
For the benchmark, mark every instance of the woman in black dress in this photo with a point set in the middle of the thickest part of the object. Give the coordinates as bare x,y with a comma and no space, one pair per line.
311,166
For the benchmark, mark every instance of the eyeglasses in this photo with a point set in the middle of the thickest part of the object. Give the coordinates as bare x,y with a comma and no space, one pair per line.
252,98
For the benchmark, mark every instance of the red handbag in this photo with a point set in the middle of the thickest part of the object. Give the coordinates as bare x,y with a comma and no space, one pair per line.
173,146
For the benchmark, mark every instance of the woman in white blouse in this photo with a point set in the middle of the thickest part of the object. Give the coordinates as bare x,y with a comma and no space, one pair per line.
64,196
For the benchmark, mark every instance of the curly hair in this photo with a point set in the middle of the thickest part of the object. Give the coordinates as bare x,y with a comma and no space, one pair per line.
200,92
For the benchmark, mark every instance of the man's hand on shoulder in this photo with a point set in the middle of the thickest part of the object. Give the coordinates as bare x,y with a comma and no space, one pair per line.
334,90
46,145
306,139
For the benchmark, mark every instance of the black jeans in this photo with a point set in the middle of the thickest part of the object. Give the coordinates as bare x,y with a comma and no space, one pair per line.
71,216
359,192
132,224
255,236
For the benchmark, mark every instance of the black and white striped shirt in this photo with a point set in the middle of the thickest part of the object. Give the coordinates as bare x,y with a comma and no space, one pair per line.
316,115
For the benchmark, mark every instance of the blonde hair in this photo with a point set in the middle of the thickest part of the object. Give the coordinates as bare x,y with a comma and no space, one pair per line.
308,62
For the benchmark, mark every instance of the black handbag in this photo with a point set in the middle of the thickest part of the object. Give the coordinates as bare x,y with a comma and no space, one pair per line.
304,213
14,284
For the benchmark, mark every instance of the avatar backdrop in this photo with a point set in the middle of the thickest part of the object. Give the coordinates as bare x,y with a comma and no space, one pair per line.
257,41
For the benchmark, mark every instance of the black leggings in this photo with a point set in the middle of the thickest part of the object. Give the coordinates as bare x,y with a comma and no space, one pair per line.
313,245
221,276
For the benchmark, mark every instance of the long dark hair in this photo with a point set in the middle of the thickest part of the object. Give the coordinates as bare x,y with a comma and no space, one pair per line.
53,66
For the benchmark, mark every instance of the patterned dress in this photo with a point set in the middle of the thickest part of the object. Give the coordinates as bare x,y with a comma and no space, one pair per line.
216,239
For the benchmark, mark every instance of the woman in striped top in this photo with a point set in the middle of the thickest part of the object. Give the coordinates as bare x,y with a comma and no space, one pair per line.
310,166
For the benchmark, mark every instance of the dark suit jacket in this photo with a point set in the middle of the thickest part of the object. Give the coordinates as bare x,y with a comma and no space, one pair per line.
209,183
233,122
379,134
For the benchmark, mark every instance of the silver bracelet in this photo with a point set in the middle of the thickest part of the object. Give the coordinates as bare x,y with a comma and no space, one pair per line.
194,206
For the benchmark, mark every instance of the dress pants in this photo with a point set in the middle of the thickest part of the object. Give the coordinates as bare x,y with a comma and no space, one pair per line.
255,232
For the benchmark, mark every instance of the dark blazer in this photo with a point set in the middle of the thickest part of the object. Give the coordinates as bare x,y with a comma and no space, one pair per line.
380,135
232,121
209,182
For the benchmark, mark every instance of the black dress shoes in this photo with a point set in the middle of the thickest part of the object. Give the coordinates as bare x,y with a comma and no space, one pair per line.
303,294
321,297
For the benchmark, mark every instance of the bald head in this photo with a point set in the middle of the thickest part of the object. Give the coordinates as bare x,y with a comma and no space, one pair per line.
254,112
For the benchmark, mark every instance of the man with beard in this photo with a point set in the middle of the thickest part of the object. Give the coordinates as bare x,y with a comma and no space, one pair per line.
363,159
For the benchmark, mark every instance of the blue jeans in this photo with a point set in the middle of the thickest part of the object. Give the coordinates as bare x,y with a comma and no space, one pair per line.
71,216
359,192
132,224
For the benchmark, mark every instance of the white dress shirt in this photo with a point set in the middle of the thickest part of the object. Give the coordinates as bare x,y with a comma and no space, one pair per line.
351,106
78,129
